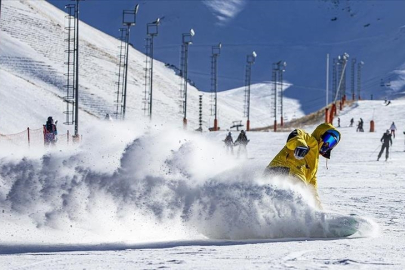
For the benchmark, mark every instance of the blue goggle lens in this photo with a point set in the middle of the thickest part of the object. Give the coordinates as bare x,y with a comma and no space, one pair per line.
329,141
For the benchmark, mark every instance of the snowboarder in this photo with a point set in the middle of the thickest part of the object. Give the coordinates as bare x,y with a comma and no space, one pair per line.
386,140
242,141
393,128
351,122
50,131
229,143
300,156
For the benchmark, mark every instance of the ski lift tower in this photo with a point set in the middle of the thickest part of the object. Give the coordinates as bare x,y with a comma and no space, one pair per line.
152,30
359,69
187,39
352,79
128,20
334,76
77,71
342,71
72,62
216,51
250,60
119,106
281,65
341,90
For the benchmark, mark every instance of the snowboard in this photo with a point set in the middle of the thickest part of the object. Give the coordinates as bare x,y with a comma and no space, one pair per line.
337,225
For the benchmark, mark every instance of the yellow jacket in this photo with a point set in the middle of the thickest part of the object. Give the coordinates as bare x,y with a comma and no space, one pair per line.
306,168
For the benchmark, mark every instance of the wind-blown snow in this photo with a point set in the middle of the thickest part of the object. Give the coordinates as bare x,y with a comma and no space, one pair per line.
146,185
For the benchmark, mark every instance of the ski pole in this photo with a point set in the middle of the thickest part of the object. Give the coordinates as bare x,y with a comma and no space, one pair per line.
374,150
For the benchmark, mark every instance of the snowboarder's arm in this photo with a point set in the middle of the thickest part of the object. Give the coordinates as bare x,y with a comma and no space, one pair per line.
296,139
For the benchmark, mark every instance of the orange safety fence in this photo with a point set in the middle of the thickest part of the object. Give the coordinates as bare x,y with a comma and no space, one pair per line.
33,137
20,138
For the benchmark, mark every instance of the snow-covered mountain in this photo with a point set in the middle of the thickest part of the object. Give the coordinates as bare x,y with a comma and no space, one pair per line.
32,67
301,33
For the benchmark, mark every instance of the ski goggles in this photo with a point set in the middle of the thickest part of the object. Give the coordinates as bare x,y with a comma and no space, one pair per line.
330,140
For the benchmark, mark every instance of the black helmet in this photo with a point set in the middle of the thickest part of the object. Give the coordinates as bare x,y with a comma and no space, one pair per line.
50,118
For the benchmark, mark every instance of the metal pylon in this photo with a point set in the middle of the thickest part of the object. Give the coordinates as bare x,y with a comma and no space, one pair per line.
70,62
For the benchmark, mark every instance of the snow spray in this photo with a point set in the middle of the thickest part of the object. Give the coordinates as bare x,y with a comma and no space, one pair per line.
134,184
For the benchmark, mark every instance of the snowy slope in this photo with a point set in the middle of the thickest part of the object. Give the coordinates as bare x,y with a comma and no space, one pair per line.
32,49
165,197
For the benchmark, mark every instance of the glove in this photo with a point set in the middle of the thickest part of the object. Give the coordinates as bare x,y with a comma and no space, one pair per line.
300,152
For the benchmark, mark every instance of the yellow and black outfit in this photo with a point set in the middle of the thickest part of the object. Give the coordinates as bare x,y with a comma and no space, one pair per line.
304,166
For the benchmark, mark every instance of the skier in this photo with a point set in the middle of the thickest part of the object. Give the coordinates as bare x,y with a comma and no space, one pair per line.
338,122
50,131
107,117
360,126
229,143
242,141
393,128
351,122
300,156
386,140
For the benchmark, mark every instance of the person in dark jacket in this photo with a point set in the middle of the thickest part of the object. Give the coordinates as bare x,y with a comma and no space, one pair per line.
387,141
229,143
242,141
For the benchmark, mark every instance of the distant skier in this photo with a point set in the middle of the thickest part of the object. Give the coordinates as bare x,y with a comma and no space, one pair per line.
351,122
393,128
107,117
360,126
338,122
50,131
229,143
300,156
242,141
386,140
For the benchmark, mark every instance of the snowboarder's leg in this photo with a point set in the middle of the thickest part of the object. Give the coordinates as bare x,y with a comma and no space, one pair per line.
387,152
